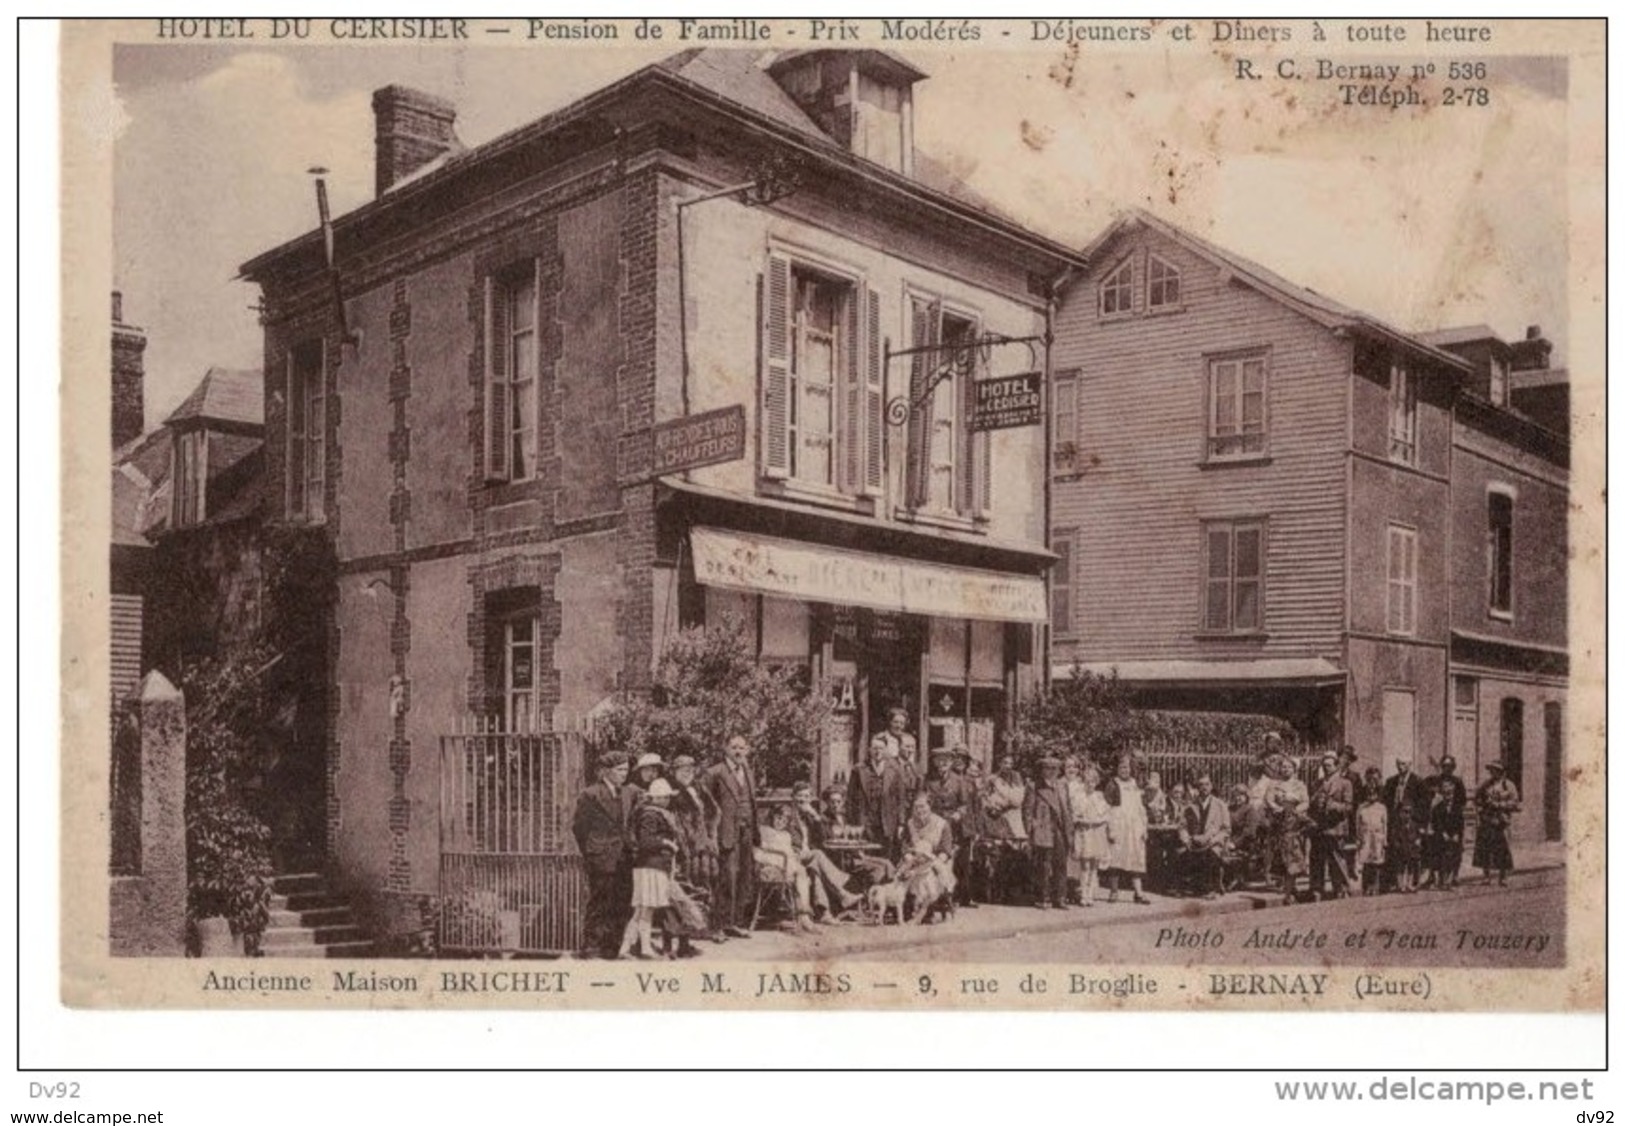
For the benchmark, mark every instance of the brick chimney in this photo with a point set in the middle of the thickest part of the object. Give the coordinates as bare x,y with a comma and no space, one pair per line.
411,129
129,376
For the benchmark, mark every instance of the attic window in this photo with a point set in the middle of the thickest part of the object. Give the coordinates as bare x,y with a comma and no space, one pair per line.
1162,287
1117,291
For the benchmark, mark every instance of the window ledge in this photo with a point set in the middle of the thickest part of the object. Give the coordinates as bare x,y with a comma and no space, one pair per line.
1235,462
787,489
1108,318
948,521
1231,635
1501,615
1164,310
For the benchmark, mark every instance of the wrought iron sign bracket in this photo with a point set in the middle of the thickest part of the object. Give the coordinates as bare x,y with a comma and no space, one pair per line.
901,408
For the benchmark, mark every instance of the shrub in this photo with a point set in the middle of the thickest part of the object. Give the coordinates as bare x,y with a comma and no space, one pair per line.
708,686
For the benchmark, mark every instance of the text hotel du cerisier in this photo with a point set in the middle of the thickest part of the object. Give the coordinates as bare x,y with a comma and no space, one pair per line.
1254,51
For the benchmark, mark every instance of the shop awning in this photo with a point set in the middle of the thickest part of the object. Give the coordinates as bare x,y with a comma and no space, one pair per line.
1301,671
815,573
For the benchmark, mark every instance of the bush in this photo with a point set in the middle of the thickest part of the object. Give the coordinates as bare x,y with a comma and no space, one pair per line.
709,686
228,849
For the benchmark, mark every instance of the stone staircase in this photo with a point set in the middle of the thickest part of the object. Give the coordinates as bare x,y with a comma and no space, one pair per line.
308,921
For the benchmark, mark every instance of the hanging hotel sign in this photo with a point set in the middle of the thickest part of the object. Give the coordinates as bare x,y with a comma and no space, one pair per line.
1008,401
699,439
813,573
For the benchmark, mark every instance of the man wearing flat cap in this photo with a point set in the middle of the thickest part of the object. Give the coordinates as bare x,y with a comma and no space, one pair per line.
601,837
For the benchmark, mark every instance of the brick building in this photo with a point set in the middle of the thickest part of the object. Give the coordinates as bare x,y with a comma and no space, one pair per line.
721,230
1267,501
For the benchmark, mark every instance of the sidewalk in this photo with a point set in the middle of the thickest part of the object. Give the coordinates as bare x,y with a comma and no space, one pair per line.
992,923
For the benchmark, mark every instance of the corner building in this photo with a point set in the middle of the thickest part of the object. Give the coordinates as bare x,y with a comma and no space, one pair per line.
725,229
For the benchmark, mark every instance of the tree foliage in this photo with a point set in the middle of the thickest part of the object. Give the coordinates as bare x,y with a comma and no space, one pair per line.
709,686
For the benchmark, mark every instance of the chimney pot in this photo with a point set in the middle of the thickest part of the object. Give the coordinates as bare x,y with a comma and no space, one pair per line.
411,128
1532,332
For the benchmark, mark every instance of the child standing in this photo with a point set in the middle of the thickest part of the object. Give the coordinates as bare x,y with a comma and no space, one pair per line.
1089,819
1371,833
654,844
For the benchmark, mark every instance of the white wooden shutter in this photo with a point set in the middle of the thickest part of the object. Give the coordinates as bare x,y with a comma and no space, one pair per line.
874,399
926,332
974,487
776,297
497,409
853,378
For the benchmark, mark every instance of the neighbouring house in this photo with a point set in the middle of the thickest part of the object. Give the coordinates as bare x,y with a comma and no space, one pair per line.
498,452
1509,511
1267,501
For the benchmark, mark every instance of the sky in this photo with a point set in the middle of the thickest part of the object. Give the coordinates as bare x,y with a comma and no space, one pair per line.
1421,220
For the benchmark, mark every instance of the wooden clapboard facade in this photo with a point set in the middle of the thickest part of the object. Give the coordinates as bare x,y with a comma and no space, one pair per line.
1251,492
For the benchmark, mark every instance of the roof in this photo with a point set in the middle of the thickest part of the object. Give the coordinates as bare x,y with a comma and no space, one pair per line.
1280,670
229,395
1461,334
1316,306
734,77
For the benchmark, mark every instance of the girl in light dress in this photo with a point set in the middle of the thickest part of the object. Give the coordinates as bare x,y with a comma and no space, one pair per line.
1090,844
1371,833
654,842
1126,830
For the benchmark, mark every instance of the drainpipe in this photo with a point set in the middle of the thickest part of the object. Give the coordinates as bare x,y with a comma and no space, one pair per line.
1056,288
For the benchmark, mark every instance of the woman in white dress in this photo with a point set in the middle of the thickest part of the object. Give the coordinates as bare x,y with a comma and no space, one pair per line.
1091,816
1126,830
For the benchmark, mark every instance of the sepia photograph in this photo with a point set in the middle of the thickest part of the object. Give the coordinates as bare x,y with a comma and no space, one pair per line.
846,514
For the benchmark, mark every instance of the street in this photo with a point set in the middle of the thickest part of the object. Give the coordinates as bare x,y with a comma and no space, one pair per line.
1521,925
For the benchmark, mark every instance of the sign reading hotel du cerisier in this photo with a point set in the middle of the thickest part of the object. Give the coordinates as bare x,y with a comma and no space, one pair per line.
698,440
1008,401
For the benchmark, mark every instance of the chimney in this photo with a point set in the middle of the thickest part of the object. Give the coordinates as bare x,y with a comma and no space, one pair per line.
1533,352
411,129
129,377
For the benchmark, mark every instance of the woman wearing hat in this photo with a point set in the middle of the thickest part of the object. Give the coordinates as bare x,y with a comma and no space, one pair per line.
1497,800
648,767
654,851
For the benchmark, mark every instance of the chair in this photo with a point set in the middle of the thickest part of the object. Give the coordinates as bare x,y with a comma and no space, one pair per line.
775,890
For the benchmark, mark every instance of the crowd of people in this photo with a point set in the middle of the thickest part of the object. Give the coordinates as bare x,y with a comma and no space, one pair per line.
684,847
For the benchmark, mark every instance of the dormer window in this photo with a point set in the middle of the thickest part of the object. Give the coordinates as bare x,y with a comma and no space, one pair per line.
1117,291
1162,284
863,99
190,476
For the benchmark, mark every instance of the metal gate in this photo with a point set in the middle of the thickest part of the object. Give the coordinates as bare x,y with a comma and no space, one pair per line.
510,877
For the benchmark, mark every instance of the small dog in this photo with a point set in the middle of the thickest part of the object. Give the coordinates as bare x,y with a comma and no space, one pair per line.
881,898
933,892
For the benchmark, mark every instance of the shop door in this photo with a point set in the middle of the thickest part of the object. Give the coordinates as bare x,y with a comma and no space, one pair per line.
889,665
1464,729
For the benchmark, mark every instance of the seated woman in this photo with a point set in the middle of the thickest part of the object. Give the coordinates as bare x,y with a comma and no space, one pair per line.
1005,828
928,860
777,854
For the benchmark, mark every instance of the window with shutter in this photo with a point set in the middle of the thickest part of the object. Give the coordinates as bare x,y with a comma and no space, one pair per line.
1061,582
1064,420
512,368
306,464
925,324
1401,579
1500,552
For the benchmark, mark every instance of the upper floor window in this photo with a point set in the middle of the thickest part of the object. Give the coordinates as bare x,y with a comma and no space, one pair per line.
1064,420
1500,552
1236,390
1117,290
519,672
1498,381
189,478
823,422
1061,581
1233,576
307,430
947,468
512,365
1401,579
1162,284
1402,413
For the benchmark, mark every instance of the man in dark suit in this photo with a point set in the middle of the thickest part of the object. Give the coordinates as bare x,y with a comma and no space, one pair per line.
879,796
733,787
1406,797
1331,813
600,833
